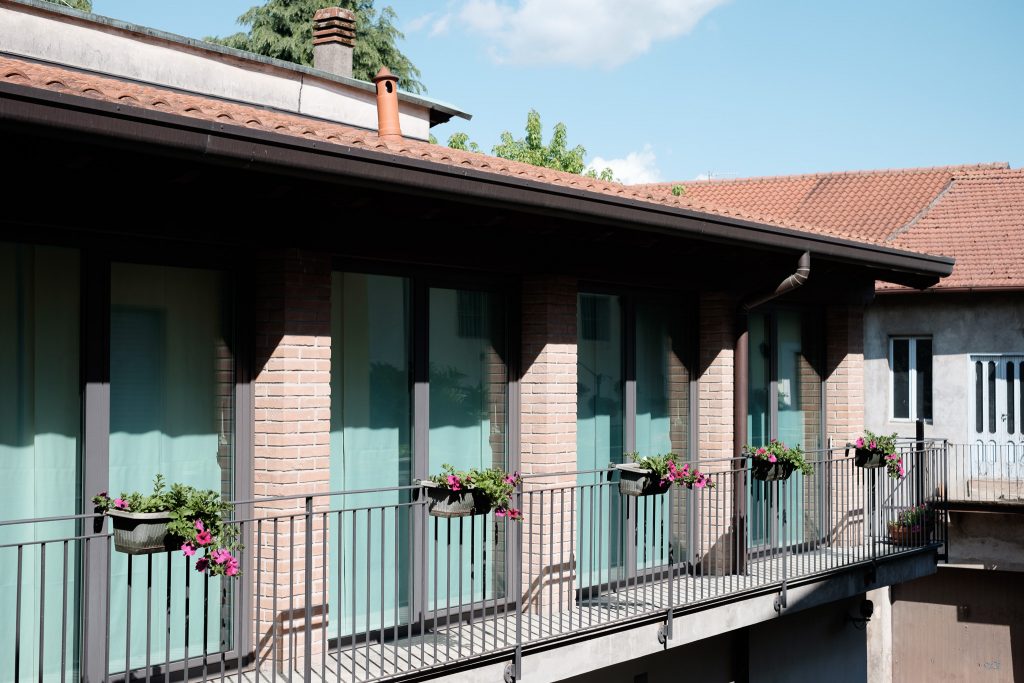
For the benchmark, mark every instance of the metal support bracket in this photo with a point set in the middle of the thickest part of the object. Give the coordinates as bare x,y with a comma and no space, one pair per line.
662,634
780,600
510,673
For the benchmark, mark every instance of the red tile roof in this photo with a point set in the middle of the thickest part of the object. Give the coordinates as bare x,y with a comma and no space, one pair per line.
146,96
974,213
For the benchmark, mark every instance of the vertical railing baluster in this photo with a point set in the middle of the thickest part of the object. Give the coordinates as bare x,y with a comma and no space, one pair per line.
64,618
307,575
42,608
149,615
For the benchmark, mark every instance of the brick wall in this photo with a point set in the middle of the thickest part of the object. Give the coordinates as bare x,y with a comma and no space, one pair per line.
291,441
548,437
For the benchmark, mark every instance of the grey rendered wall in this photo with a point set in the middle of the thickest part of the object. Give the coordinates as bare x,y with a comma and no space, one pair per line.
960,325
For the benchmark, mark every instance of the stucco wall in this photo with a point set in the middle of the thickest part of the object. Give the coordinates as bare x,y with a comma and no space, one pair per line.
959,326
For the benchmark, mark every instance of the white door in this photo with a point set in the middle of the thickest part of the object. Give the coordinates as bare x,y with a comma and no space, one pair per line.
995,430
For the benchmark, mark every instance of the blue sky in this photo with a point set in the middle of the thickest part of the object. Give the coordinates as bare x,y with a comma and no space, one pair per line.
673,89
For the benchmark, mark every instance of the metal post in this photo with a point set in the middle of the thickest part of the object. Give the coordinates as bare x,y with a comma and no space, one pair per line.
308,575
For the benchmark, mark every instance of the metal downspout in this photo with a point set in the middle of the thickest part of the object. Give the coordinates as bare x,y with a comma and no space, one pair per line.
741,379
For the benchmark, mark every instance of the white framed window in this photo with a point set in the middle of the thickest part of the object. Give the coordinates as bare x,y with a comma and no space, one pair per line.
910,378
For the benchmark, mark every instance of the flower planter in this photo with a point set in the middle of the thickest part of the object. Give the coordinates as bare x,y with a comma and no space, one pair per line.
443,502
762,470
637,481
141,533
869,459
909,536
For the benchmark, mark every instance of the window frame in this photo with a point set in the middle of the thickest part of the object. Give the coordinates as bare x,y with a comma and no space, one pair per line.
912,370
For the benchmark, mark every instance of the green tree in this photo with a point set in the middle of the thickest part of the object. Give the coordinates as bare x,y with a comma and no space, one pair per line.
555,154
84,5
283,29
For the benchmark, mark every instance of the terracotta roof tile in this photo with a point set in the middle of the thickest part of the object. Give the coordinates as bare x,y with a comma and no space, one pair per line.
974,213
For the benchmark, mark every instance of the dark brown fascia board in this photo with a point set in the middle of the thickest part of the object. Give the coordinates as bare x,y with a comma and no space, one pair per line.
949,290
264,150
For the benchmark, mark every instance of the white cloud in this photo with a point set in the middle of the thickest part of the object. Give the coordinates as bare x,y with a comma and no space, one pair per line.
604,33
636,167
703,176
418,23
440,26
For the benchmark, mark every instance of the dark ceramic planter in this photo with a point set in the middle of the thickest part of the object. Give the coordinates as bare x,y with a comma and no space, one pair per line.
141,533
637,481
443,502
869,459
907,537
762,470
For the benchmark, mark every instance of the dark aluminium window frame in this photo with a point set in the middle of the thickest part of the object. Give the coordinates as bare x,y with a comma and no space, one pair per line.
97,259
915,403
421,280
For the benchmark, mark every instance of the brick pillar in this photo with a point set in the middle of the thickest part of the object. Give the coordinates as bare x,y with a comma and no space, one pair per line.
715,541
548,438
292,445
844,409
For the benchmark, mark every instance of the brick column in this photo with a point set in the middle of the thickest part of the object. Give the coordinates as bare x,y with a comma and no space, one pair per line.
716,541
292,445
548,438
844,409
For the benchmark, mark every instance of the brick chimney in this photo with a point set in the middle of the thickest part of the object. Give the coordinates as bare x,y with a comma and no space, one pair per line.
334,36
388,128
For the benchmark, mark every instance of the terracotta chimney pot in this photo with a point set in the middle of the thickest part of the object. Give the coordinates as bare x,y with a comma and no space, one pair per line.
388,128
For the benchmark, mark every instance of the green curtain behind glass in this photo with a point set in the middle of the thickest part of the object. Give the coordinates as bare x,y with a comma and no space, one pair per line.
468,403
371,421
40,419
171,412
599,441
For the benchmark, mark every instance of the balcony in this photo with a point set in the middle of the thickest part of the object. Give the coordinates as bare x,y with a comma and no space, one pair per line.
366,586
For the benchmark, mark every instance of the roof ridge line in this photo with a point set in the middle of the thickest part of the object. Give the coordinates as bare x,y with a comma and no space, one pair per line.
962,168
905,228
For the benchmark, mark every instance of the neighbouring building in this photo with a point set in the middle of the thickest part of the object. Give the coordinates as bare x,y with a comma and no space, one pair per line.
949,356
260,279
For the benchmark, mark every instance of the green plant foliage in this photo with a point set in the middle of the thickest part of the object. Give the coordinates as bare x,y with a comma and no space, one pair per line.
776,451
668,470
462,141
197,520
495,485
556,154
84,5
283,29
912,518
678,190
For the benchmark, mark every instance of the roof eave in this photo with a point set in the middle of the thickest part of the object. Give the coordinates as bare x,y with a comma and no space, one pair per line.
28,105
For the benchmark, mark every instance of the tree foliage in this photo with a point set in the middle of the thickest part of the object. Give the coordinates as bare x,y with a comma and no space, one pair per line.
84,5
556,154
283,29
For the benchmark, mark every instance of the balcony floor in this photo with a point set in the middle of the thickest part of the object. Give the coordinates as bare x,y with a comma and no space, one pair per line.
496,633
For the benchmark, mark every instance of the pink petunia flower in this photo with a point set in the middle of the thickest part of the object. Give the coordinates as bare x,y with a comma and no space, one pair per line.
700,483
762,450
232,567
872,445
204,538
188,549
199,525
221,556
860,442
772,458
121,503
202,564
500,512
453,483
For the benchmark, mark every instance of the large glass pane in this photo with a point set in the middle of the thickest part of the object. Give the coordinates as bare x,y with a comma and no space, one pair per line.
662,412
39,456
901,378
371,447
468,404
759,421
923,370
599,408
171,412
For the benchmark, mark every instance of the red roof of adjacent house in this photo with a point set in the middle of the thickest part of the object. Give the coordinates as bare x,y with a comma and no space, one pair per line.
973,213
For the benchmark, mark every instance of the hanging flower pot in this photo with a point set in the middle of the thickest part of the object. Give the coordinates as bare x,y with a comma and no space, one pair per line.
762,470
442,501
638,481
873,451
454,493
141,533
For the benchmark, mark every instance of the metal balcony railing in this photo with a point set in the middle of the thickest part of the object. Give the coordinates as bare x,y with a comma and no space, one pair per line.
986,473
366,586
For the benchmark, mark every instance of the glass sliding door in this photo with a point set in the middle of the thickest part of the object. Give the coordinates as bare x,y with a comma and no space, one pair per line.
661,420
371,448
40,417
599,436
784,403
172,413
467,428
